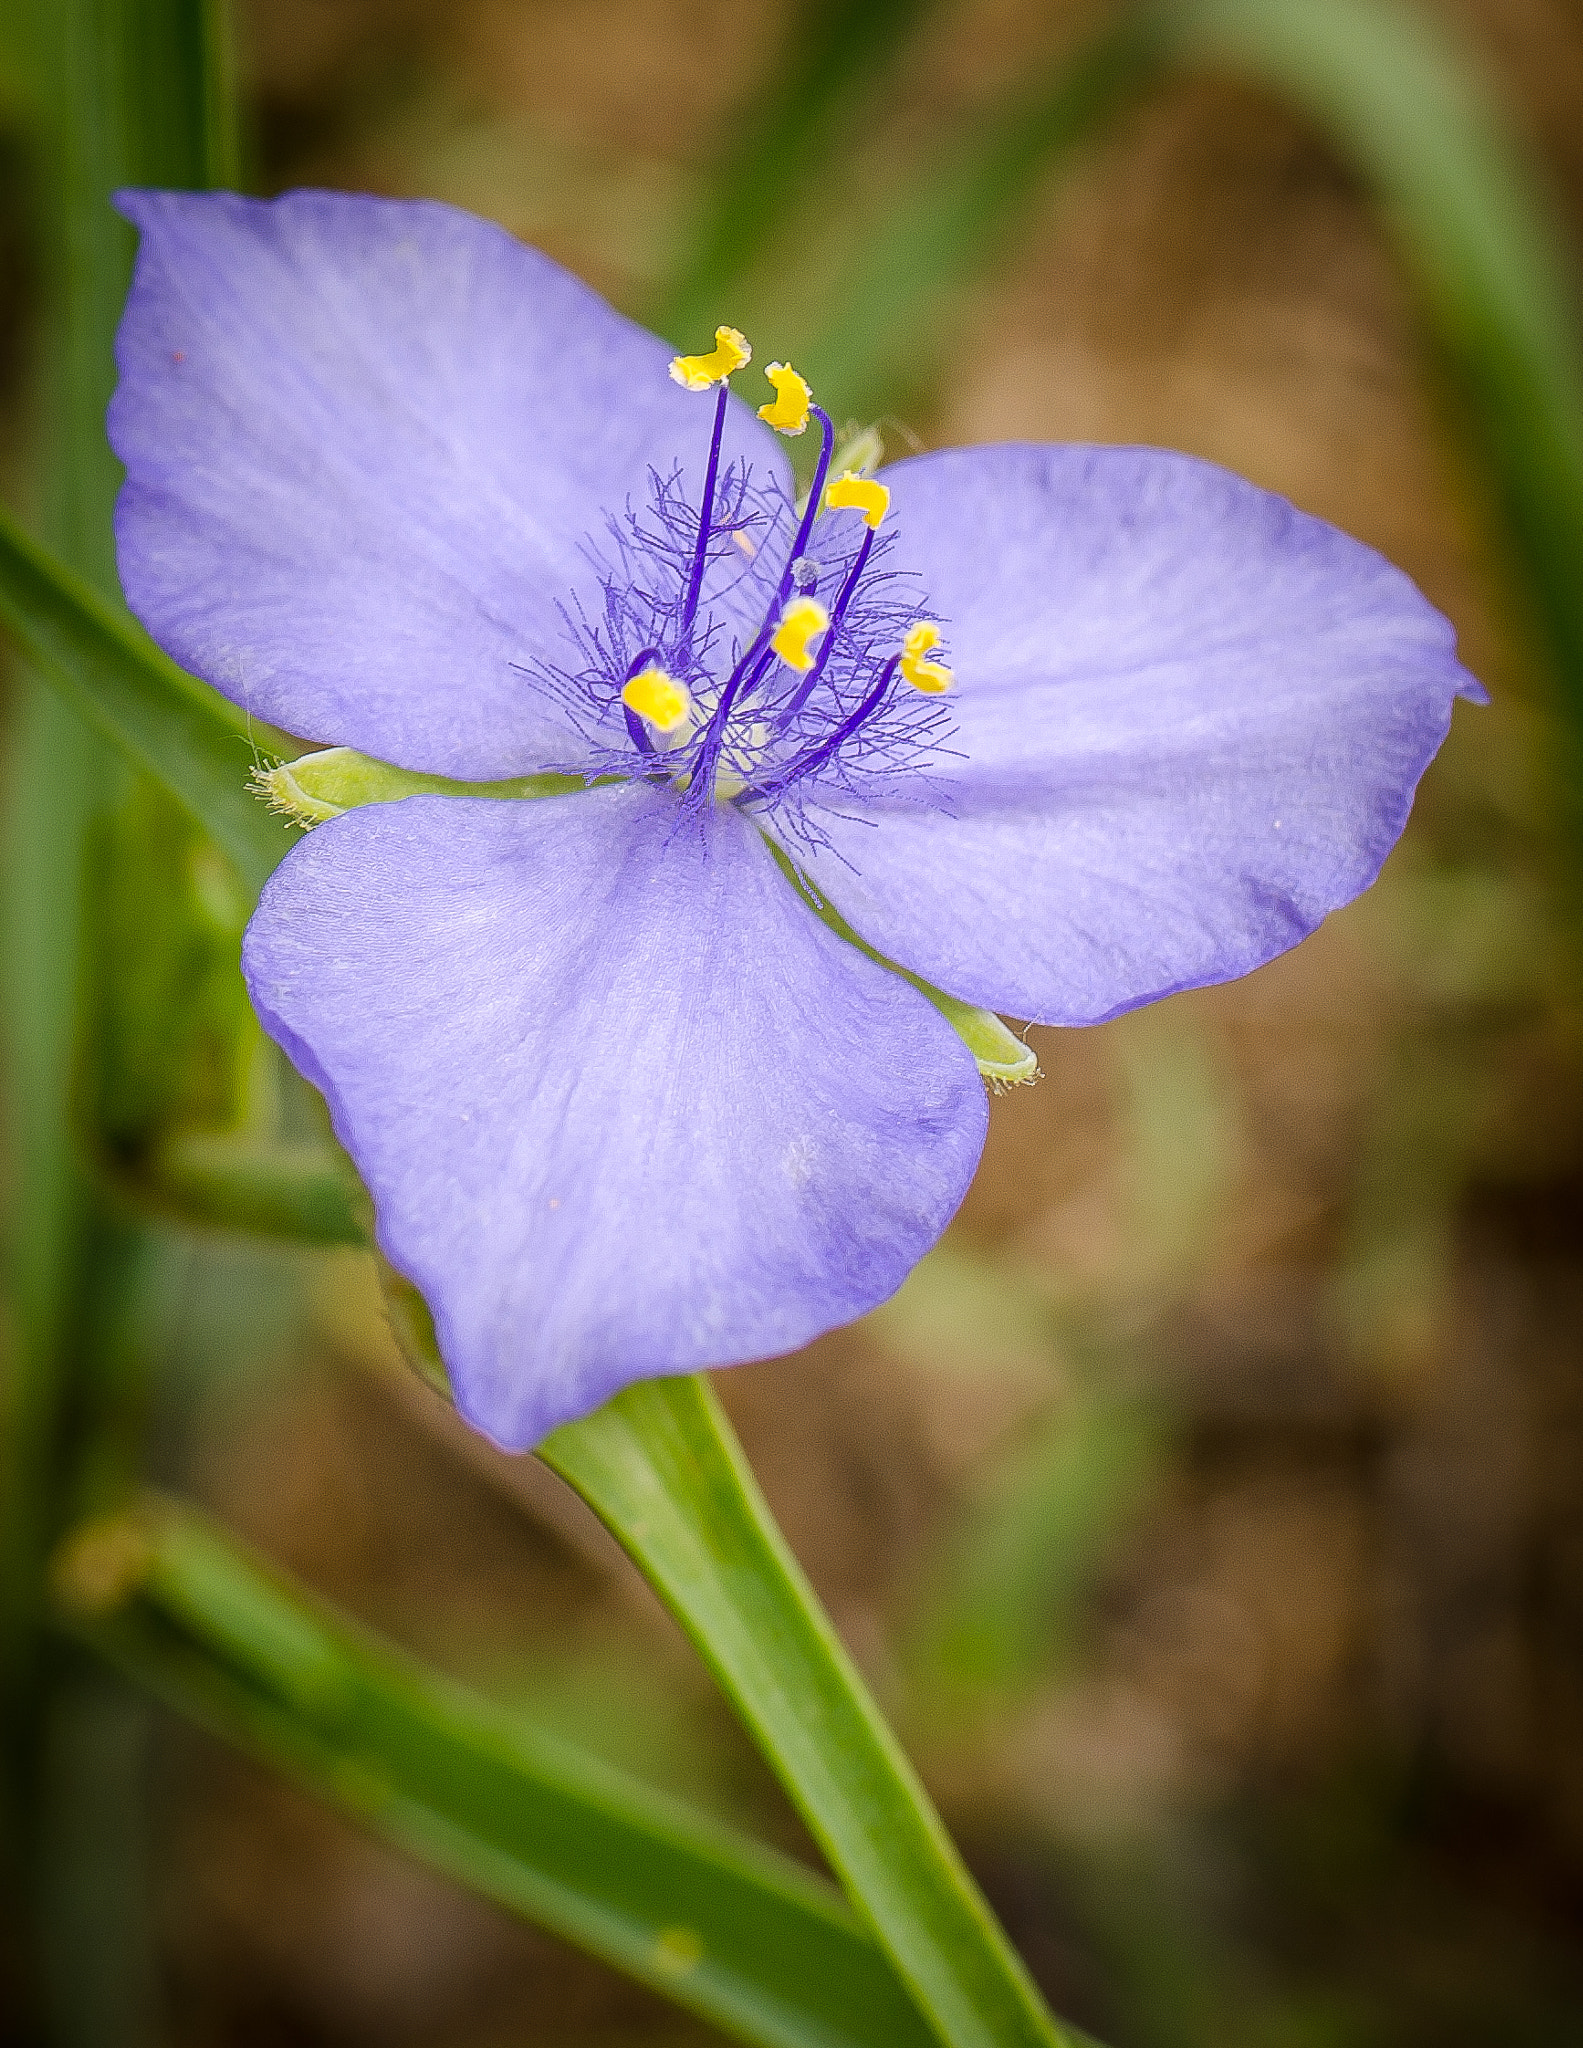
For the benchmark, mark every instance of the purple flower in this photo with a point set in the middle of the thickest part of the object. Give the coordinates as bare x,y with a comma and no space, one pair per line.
625,1104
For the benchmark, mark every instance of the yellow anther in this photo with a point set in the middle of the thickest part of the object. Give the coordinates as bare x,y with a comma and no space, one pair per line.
787,412
729,354
804,619
851,492
932,677
659,698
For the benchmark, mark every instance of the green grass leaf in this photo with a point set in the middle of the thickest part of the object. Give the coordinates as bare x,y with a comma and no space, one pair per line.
662,1468
226,1180
894,306
744,1936
161,718
113,92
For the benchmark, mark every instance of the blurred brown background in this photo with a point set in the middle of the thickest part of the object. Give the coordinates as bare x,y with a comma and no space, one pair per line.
1208,1510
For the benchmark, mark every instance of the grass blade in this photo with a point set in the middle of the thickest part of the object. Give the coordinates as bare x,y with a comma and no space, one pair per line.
895,305
225,1180
738,1933
662,1468
118,91
161,718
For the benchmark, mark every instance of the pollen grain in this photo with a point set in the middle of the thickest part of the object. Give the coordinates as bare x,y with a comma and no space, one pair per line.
803,620
730,353
933,678
659,698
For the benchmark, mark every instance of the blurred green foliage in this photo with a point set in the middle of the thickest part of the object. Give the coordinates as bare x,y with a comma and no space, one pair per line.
745,1937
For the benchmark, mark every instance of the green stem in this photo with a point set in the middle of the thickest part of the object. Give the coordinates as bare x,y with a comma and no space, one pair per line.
662,1468
736,1932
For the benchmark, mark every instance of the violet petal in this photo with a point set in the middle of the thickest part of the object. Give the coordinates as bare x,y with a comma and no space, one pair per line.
367,443
1191,720
625,1106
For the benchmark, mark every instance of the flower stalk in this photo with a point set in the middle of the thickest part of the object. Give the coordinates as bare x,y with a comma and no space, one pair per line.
662,1468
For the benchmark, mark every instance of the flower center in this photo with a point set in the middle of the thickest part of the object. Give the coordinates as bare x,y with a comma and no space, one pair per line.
748,653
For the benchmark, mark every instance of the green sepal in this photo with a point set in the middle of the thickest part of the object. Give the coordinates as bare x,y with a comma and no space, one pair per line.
1002,1058
319,786
412,1326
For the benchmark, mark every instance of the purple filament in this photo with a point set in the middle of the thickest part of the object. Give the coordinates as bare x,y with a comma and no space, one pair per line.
705,515
811,510
816,757
810,682
636,729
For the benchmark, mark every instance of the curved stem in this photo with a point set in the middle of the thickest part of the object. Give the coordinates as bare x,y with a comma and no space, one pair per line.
811,509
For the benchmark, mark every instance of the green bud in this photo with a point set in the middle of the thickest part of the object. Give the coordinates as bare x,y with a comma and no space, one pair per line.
859,449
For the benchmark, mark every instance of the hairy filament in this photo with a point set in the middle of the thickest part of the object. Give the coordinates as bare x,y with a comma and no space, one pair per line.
759,652
810,682
815,496
816,757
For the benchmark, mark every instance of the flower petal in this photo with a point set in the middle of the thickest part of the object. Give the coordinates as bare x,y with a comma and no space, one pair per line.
1192,719
625,1106
367,442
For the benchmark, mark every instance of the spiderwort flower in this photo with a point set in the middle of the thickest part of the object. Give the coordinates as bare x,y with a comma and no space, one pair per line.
625,1104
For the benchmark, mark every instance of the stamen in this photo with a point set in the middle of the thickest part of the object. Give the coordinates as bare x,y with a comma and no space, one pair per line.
803,620
851,492
932,677
730,353
807,677
787,412
659,698
749,672
810,681
799,546
816,757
